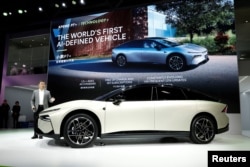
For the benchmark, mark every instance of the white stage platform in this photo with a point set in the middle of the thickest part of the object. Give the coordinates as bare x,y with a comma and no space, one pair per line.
19,150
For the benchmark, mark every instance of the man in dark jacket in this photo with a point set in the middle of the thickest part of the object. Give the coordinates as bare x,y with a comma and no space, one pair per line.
15,114
5,108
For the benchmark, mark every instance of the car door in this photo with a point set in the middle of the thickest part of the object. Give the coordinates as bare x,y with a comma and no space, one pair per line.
134,111
133,51
152,52
172,111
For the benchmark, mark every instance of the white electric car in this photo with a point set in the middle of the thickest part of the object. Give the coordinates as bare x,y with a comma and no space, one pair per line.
139,110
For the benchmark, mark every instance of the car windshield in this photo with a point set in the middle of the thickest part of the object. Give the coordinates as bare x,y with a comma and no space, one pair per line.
109,94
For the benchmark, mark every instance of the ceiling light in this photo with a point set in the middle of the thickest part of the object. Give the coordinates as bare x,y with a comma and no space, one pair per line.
57,5
64,5
82,2
20,11
40,9
73,2
5,14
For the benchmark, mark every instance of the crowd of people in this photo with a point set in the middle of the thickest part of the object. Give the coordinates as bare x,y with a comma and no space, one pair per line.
6,112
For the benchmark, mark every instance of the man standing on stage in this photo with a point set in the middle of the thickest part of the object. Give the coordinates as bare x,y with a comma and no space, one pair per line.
40,100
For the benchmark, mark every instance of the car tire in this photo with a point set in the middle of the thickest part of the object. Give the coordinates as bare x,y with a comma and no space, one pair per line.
202,129
121,60
80,131
176,62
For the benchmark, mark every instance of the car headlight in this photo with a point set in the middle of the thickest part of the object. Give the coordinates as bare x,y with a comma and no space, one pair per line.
194,52
45,118
50,110
196,56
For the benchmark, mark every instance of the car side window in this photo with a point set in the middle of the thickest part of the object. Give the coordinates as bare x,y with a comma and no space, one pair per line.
193,95
134,44
138,94
149,44
160,45
146,44
165,93
152,44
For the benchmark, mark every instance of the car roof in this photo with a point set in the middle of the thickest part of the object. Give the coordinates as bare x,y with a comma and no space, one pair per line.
155,38
185,89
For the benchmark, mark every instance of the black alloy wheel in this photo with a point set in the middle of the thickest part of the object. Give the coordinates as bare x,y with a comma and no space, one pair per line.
80,131
121,60
202,130
176,62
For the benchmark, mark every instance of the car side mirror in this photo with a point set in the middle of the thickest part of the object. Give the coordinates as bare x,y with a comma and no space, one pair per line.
117,101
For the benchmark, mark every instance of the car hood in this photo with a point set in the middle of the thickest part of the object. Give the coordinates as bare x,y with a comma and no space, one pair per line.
71,104
192,47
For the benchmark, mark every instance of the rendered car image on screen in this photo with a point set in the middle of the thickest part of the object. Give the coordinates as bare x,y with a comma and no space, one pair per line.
159,50
139,111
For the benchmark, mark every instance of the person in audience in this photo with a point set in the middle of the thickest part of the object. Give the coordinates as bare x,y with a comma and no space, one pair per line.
15,114
5,108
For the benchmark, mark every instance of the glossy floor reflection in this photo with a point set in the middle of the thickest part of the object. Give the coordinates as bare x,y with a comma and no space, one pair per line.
19,150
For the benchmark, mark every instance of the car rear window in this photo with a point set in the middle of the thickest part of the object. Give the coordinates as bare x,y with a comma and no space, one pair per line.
166,93
195,95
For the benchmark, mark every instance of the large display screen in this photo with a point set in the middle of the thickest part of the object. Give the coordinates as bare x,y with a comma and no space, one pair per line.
184,43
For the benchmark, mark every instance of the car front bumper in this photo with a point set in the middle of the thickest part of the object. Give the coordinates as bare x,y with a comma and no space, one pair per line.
45,125
46,129
199,59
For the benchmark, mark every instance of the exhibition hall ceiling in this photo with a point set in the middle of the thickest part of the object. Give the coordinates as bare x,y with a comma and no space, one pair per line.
24,14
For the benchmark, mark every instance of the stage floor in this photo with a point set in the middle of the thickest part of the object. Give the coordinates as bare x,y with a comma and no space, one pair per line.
19,150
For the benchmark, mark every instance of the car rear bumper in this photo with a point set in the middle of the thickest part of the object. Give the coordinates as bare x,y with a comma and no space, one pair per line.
224,129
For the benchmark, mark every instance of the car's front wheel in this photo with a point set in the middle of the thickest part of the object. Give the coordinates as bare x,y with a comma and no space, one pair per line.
202,129
121,60
80,131
176,62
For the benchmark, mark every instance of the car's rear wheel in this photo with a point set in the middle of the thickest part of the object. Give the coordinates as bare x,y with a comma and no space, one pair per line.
176,62
80,131
121,60
202,129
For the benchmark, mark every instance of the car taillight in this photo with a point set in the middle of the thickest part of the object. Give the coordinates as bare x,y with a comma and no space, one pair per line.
224,110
